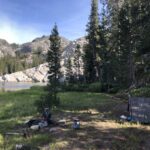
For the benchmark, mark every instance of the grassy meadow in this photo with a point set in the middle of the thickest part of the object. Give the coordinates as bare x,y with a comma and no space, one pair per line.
98,113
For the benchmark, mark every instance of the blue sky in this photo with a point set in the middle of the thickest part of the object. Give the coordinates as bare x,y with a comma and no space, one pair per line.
23,20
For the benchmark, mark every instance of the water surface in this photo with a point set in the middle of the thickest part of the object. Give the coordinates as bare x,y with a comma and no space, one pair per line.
13,86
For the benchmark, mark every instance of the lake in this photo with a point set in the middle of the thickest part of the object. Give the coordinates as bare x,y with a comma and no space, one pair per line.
13,86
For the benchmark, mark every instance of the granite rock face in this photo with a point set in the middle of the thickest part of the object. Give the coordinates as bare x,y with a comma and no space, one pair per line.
6,48
36,74
70,49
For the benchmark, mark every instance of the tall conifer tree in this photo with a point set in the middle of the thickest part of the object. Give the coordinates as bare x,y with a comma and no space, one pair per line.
69,71
53,59
77,61
91,57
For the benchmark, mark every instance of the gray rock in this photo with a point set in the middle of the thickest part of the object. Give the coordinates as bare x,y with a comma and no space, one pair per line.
6,48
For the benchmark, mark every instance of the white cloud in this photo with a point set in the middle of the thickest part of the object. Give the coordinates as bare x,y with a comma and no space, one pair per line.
15,33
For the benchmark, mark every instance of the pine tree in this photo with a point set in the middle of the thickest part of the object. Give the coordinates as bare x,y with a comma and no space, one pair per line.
123,32
92,49
88,64
53,59
69,71
77,61
104,44
140,13
125,47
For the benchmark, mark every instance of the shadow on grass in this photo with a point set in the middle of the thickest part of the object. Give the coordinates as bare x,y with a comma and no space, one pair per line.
104,104
109,111
115,139
102,133
95,134
34,142
91,137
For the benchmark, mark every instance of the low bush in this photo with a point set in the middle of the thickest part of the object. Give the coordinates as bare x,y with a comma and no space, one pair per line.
74,87
113,90
141,92
47,101
94,87
123,94
37,87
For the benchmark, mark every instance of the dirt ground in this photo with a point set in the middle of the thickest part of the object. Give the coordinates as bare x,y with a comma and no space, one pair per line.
99,131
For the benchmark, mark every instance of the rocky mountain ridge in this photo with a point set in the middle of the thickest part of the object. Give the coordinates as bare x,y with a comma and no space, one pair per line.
39,73
6,48
40,44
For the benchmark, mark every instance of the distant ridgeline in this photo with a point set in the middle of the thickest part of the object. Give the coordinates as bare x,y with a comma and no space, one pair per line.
15,57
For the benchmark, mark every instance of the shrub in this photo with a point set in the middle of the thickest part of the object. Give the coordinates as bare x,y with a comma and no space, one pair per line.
123,95
95,87
74,87
113,90
37,87
47,101
141,92
82,87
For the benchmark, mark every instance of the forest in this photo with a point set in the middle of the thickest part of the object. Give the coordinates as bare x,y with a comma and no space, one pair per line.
119,44
117,53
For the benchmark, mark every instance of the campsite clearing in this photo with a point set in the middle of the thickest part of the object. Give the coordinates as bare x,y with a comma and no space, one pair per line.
98,113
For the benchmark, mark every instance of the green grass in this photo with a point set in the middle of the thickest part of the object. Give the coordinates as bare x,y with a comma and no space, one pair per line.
96,132
83,100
